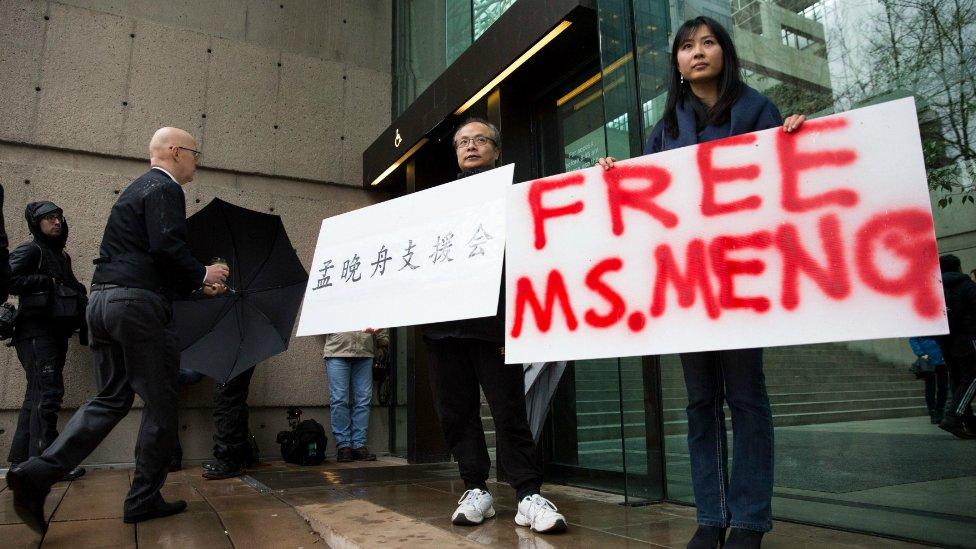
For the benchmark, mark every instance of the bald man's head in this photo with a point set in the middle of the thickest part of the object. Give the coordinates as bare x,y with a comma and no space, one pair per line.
175,151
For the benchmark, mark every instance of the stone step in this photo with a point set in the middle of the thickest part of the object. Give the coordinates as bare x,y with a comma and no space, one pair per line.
611,433
773,388
671,376
809,378
612,404
790,408
585,394
678,427
606,375
821,372
634,445
798,397
612,417
600,390
804,365
609,405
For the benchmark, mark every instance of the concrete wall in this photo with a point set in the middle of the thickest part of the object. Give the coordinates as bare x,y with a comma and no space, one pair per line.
283,96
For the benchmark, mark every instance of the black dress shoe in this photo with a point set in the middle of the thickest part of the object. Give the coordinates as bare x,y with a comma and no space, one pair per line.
162,510
740,538
362,454
75,473
28,500
707,537
222,470
345,455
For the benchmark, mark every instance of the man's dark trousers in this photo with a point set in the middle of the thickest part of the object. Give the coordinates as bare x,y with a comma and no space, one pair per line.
136,353
43,359
231,442
457,366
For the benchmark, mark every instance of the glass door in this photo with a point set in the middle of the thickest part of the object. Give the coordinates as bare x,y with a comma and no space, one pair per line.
597,432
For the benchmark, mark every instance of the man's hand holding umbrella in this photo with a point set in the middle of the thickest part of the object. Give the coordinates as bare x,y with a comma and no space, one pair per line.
214,282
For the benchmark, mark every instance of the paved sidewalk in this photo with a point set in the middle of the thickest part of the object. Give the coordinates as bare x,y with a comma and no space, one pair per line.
87,513
384,503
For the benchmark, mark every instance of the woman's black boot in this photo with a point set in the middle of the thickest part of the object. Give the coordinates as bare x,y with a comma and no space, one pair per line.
744,539
707,537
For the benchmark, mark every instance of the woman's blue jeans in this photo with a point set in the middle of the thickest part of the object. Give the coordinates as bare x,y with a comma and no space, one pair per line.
743,500
350,377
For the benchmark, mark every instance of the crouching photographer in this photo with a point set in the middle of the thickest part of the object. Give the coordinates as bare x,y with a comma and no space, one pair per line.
52,308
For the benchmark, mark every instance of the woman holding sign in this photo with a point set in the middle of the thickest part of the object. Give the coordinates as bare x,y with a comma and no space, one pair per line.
707,100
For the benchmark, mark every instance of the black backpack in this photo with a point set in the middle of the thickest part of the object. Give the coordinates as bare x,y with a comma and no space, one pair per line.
304,444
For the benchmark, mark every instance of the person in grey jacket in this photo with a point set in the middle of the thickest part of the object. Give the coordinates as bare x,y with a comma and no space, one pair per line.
349,360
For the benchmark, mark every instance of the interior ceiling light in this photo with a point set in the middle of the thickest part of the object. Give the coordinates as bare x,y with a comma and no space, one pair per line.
578,89
399,161
598,93
549,37
563,25
593,80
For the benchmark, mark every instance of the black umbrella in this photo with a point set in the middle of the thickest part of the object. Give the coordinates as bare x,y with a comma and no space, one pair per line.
224,336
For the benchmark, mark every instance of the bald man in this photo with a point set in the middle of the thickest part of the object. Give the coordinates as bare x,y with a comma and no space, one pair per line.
143,262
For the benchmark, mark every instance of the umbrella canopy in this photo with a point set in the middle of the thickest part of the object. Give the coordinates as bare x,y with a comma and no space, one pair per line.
224,336
541,379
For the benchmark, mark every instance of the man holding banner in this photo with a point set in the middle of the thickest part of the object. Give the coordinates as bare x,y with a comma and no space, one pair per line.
464,354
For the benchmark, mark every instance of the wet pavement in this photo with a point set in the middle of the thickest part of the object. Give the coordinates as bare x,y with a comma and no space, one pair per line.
384,503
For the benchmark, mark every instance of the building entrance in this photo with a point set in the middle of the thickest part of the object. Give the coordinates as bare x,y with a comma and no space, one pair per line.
604,429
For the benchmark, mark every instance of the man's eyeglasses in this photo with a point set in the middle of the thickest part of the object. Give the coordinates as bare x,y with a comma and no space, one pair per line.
196,154
478,140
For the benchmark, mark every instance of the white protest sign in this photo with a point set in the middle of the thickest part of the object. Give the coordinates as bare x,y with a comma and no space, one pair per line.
430,256
757,240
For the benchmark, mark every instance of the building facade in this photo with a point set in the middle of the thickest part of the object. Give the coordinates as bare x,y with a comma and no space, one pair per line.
274,93
569,81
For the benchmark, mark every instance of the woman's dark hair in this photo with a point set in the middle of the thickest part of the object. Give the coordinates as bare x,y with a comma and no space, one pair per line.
729,84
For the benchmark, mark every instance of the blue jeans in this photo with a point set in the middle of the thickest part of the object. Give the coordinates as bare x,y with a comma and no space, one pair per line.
350,376
744,500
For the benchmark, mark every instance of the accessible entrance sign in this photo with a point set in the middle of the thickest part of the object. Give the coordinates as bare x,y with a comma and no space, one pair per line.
757,240
430,256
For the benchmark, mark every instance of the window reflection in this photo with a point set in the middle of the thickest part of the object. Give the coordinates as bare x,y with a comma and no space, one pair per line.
430,35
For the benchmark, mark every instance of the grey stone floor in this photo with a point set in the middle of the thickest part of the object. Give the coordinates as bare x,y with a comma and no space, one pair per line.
904,477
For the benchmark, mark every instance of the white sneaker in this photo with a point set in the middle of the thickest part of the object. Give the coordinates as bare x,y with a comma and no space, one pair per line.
540,514
473,508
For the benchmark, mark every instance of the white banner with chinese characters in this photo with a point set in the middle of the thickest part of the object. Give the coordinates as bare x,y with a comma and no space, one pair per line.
761,239
431,256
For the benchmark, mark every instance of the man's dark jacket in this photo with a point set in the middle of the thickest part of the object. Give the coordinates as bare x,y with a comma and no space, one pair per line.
37,267
960,291
144,245
4,256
